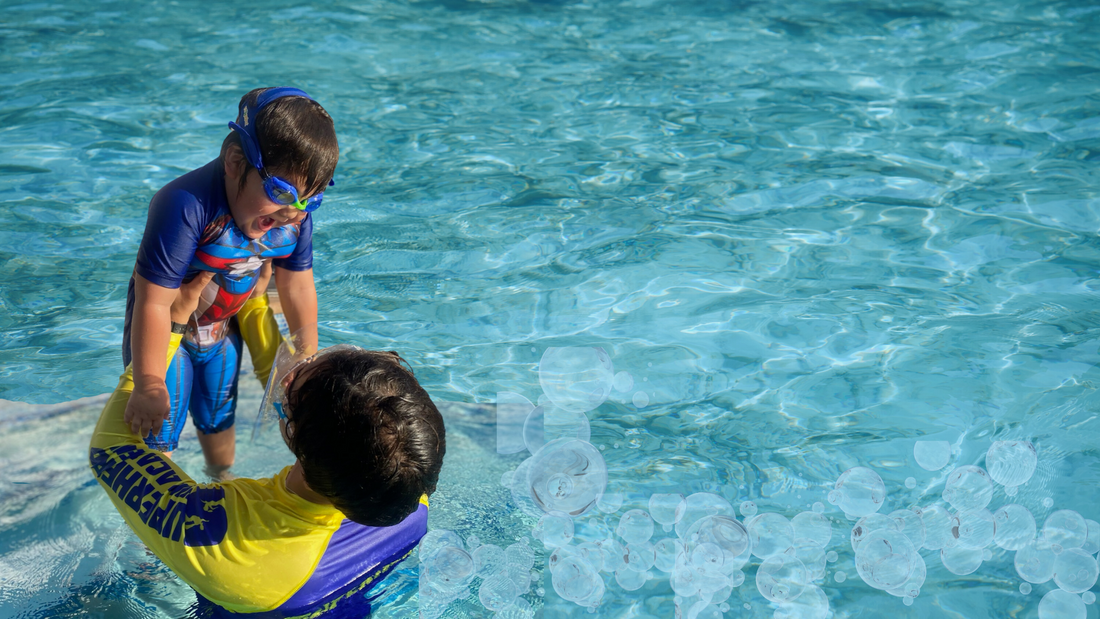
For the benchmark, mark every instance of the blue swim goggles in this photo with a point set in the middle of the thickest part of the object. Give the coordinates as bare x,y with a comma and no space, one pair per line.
278,190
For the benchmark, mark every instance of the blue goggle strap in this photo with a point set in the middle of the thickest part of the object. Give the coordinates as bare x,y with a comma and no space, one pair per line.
246,121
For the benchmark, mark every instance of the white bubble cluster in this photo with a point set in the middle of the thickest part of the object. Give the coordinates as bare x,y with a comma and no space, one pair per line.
705,550
447,571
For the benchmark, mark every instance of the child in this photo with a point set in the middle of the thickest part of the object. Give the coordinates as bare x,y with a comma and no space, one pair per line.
247,208
369,444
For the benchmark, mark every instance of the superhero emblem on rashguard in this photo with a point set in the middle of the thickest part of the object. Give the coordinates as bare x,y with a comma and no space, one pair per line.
235,260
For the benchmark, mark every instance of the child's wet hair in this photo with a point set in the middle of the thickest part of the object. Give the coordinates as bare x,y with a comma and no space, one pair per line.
369,438
297,141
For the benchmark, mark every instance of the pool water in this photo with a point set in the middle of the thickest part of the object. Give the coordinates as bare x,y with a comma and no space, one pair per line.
806,238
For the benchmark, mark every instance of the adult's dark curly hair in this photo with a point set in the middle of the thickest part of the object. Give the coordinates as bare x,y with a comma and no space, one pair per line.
366,433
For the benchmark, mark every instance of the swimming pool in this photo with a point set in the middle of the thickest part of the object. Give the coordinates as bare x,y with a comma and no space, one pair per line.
811,234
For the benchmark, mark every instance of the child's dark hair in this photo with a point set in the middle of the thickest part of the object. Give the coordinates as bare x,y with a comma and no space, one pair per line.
367,435
297,141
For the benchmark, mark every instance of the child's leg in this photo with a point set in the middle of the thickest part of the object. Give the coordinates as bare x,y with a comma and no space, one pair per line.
178,379
214,401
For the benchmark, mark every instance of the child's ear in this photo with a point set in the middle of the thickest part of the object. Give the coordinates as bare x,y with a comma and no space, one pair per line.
234,162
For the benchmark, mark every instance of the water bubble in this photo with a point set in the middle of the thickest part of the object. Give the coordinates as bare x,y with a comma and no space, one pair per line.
1035,562
683,579
987,554
781,578
667,509
910,482
883,559
554,529
910,523
575,460
640,399
976,528
576,379
727,534
858,492
623,382
1025,588
932,455
614,555
576,581
1088,597
630,580
1075,570
1011,490
700,505
1015,527
961,561
831,556
967,488
748,509
511,411
908,601
840,577
868,525
918,571
635,526
818,507
640,556
707,556
1048,502
488,559
592,553
814,527
1092,538
521,490
610,502
1011,463
667,550
812,557
1058,604
737,578
496,592
1066,528
519,555
436,539
506,479
812,604
448,568
770,534
547,423
472,542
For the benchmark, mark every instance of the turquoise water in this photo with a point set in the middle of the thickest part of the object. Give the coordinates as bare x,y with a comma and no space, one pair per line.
812,233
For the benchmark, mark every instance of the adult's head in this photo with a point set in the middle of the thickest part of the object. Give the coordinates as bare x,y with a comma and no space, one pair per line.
367,436
295,141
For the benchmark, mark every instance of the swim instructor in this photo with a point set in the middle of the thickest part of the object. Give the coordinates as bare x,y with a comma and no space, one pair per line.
369,445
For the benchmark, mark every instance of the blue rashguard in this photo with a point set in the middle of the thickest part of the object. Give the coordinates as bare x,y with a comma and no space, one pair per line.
191,229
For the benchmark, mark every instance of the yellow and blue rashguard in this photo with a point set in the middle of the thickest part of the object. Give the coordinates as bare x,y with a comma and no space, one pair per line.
250,546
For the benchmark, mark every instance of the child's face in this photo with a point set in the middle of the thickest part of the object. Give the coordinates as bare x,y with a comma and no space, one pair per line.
253,211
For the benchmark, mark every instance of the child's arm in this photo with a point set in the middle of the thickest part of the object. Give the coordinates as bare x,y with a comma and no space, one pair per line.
155,308
151,329
298,296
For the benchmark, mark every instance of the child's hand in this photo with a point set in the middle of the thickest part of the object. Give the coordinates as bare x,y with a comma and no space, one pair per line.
147,409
